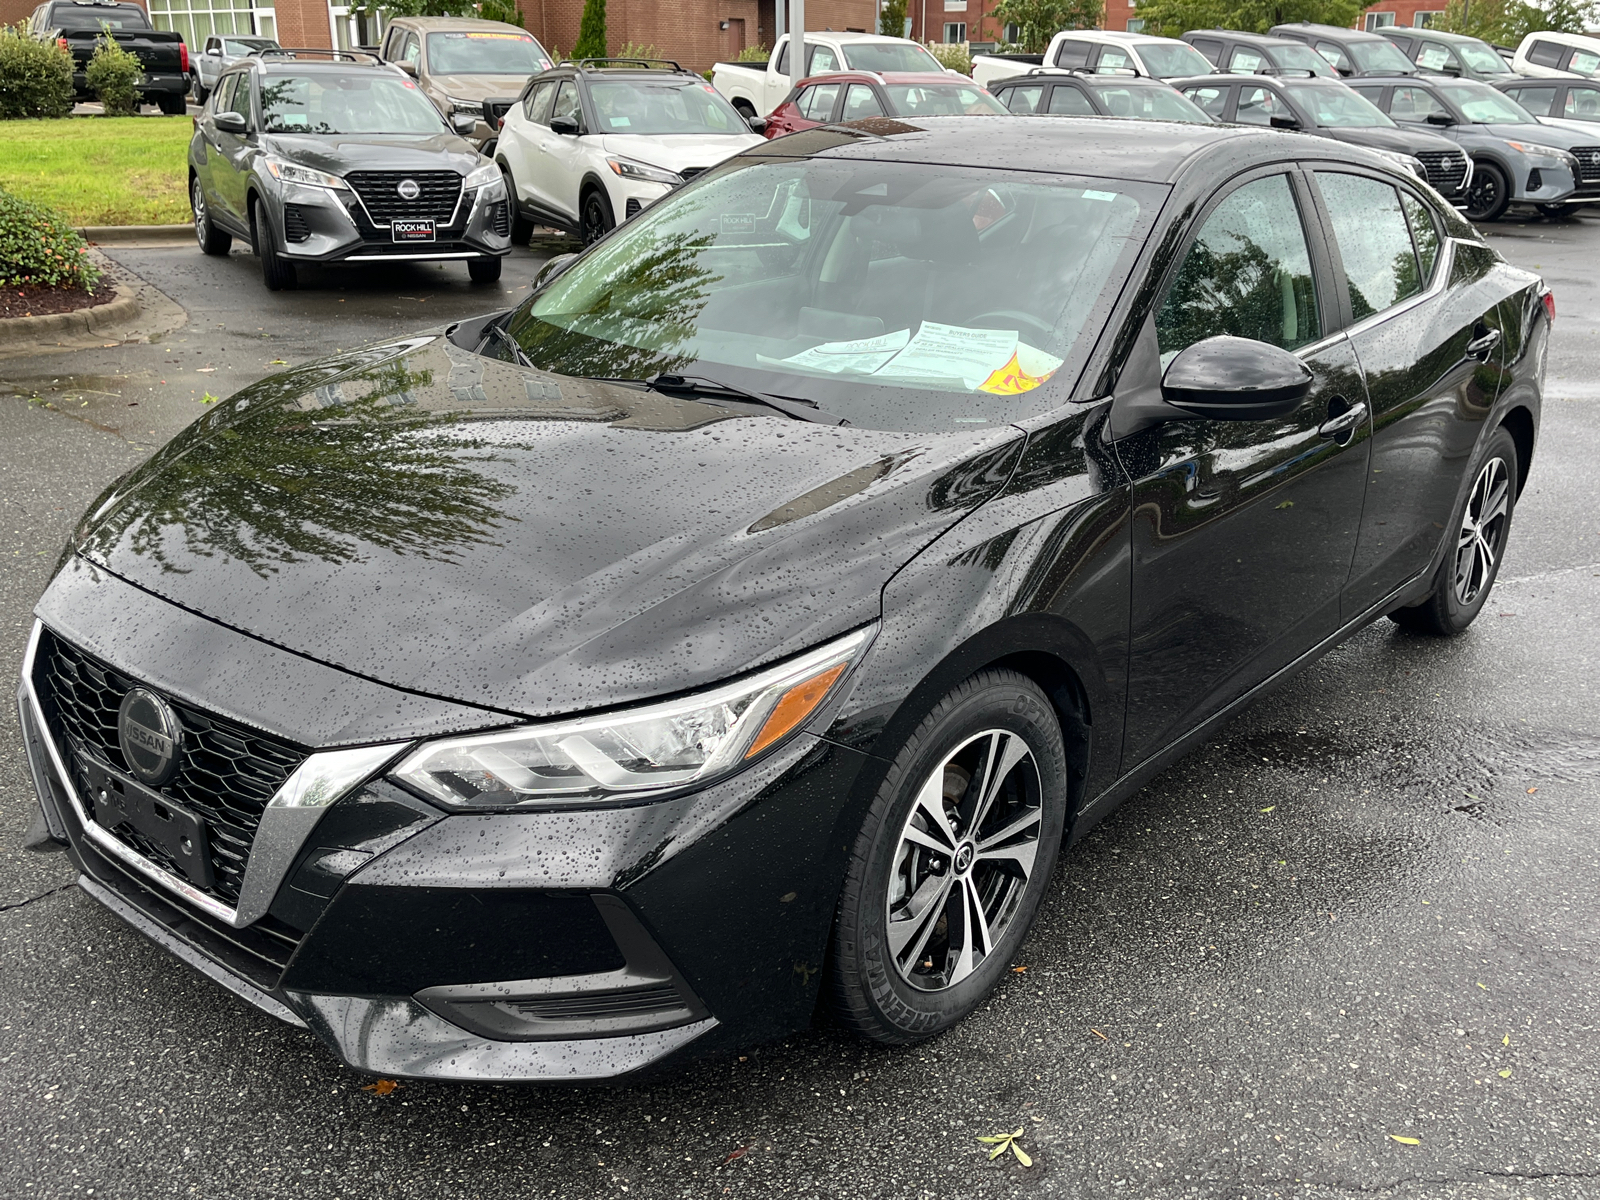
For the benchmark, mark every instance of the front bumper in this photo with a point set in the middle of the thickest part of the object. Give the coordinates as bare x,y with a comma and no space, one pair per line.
314,224
554,946
1545,184
629,197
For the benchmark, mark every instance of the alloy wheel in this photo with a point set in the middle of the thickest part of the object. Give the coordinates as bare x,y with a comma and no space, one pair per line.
1483,526
965,855
594,220
1484,195
197,197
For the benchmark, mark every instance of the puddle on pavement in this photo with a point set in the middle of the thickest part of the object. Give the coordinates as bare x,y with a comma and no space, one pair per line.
110,403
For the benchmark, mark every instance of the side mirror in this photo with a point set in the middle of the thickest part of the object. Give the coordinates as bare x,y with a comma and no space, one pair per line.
551,269
1439,119
463,122
1280,121
564,125
230,122
757,124
214,51
1235,379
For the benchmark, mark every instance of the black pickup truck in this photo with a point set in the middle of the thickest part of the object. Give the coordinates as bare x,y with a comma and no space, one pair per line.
78,24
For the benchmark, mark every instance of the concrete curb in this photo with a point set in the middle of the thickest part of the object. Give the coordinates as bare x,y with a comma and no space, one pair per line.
124,307
108,235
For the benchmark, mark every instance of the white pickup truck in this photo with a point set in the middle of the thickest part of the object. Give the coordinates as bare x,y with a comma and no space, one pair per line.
755,89
1103,50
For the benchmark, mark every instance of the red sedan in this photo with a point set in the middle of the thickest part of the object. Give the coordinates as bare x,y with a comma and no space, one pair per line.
854,95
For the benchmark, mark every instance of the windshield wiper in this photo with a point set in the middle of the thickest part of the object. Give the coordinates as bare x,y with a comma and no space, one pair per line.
699,385
497,329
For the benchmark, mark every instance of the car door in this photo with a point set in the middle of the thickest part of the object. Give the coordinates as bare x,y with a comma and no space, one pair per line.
1242,531
226,152
1426,329
558,168
522,140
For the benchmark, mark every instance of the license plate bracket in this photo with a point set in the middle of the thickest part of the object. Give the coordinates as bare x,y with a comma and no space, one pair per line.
409,230
121,801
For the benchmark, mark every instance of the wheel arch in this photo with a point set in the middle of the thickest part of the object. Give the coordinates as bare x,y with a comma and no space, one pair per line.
1519,424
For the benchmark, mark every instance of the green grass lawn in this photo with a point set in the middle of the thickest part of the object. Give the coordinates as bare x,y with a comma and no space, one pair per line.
100,170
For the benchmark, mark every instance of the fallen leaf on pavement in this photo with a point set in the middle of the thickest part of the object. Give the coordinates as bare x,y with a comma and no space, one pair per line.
1405,1141
1098,1034
1506,1041
382,1087
1018,970
735,1153
1505,1074
1269,808
1006,1141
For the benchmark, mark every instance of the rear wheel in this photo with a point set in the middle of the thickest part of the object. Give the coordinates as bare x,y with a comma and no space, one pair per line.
172,105
200,92
212,240
952,862
595,216
276,272
521,227
485,270
1489,194
1466,576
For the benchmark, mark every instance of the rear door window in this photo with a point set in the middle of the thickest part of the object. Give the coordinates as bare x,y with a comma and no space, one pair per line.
1374,239
1074,53
1068,101
1545,54
1024,99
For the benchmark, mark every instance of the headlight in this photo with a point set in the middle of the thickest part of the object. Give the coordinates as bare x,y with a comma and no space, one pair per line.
474,107
629,754
1535,150
629,169
1405,162
484,176
290,172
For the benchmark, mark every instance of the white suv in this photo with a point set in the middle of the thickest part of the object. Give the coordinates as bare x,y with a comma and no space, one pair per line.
590,143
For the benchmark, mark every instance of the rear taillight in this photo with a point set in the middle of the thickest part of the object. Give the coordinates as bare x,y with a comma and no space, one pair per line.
1549,301
502,123
183,57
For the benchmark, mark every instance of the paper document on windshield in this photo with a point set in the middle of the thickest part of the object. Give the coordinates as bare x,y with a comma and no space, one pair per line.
862,356
980,360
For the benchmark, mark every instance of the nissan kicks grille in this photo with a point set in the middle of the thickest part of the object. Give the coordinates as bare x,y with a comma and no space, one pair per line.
1446,169
1588,163
226,772
437,193
295,228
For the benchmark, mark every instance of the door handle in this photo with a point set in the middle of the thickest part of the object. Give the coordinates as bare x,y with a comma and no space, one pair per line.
1345,422
1480,348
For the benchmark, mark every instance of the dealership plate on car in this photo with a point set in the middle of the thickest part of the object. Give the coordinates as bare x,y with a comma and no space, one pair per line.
411,231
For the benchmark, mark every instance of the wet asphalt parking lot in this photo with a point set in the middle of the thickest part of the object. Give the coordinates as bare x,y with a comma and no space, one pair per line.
1365,913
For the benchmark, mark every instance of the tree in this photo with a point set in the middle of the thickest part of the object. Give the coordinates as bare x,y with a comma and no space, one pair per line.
1507,22
1172,17
500,10
892,18
1038,21
592,31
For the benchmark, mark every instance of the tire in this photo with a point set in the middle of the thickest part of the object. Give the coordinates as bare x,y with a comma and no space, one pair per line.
276,271
172,105
1472,560
213,241
595,219
485,270
744,108
521,227
201,93
1489,194
1557,210
898,972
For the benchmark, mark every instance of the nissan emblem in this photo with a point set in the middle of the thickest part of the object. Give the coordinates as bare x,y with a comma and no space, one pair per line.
409,189
150,736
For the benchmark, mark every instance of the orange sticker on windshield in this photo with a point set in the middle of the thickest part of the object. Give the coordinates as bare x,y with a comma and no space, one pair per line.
1012,380
504,37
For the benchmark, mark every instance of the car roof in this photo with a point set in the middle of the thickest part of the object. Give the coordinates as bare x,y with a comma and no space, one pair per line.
1070,74
1113,35
282,64
436,24
1239,35
851,36
1333,33
1225,77
1584,40
940,77
1438,35
1124,148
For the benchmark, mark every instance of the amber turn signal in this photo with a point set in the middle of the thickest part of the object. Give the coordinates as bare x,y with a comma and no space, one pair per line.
798,703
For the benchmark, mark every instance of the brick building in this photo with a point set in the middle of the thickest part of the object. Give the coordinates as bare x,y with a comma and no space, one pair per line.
694,32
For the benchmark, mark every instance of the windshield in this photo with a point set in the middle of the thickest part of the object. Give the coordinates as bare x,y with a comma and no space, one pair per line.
1338,107
897,295
485,53
1173,61
1292,56
1153,103
940,99
890,56
1380,58
243,46
1482,58
1481,103
668,105
346,104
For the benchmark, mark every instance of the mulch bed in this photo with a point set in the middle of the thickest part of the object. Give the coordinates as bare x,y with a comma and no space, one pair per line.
40,301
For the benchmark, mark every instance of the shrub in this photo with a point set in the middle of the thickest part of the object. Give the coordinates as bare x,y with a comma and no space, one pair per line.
38,247
591,31
758,54
114,76
634,50
35,76
954,56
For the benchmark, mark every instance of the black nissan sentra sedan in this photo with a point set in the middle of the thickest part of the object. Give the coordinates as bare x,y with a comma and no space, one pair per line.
745,622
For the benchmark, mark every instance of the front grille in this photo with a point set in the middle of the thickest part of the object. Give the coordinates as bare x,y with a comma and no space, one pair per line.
226,775
1588,163
436,198
1446,169
295,228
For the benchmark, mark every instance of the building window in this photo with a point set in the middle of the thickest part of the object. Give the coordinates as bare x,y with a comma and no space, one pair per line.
1011,33
955,31
1135,24
1424,19
199,19
959,6
1379,20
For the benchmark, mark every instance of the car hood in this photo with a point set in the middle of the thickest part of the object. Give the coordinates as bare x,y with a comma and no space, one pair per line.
471,530
340,153
1398,141
1587,132
479,87
1540,135
680,151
